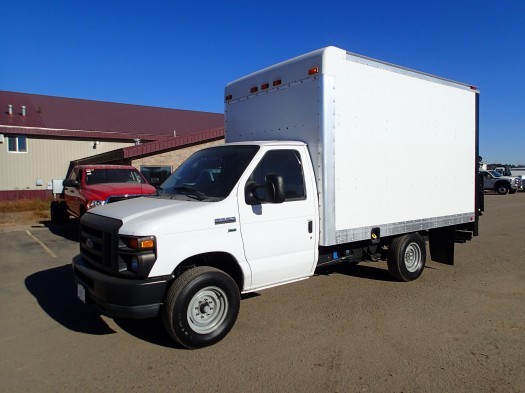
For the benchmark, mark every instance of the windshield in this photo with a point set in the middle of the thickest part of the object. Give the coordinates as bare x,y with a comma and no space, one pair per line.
495,173
209,173
114,175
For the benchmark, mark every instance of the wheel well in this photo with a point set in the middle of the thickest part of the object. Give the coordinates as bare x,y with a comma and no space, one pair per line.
219,260
500,182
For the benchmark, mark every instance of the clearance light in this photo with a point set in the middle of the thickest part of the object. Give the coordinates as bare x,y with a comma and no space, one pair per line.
276,83
229,97
265,86
313,71
473,88
254,90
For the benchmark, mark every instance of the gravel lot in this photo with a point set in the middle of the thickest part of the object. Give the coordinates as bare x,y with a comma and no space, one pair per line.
457,329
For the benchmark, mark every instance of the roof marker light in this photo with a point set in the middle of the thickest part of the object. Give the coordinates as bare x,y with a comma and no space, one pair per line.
265,86
229,97
276,82
313,71
473,88
254,90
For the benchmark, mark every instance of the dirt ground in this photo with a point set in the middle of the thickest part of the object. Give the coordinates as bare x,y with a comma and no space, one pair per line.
22,218
349,329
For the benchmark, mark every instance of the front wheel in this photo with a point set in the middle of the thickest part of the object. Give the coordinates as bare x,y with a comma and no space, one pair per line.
406,257
201,307
502,189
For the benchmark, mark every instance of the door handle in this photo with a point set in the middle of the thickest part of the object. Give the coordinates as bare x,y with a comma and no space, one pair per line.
310,226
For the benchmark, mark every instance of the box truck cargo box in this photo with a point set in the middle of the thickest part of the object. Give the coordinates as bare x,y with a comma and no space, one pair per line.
392,148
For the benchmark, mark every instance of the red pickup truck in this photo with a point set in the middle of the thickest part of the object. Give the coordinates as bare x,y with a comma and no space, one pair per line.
89,186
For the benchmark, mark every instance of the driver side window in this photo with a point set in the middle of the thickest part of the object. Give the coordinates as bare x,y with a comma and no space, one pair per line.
286,163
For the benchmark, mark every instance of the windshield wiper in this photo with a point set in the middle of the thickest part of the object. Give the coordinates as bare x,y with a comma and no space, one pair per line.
191,192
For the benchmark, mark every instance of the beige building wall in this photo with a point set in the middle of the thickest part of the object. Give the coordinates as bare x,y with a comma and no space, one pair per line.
173,158
45,160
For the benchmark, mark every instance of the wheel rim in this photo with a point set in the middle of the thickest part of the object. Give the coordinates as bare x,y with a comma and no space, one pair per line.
413,258
502,190
207,310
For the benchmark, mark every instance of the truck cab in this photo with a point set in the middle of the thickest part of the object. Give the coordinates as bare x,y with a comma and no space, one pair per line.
495,181
89,186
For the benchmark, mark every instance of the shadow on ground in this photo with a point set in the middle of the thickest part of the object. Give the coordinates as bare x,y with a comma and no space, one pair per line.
368,271
150,330
69,230
55,292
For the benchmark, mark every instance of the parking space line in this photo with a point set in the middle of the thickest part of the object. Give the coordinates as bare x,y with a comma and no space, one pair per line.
42,244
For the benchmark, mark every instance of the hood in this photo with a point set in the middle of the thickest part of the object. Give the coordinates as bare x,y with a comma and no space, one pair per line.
102,191
147,216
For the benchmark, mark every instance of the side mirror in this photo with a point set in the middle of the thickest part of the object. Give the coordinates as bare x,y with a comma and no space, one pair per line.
273,187
70,183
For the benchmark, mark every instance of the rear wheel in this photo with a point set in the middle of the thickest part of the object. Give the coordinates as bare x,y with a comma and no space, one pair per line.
59,213
406,257
201,307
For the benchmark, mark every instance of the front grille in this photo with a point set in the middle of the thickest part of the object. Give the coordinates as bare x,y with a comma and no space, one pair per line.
99,241
117,198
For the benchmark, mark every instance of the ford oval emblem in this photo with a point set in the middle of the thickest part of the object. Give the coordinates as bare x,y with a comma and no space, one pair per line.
89,243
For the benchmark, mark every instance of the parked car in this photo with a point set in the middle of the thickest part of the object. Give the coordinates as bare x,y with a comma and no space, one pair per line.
89,186
519,172
493,180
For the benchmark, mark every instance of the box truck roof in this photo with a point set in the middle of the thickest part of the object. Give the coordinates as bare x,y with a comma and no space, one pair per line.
321,61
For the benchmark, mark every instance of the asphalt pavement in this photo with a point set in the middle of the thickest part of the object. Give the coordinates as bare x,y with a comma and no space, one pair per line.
349,329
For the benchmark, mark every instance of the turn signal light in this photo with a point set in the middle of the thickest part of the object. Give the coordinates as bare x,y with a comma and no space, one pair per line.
147,244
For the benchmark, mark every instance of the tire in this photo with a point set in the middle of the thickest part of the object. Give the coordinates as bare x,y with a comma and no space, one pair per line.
201,307
58,213
513,191
406,257
501,188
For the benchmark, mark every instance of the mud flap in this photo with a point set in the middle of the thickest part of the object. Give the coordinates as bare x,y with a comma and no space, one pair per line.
441,243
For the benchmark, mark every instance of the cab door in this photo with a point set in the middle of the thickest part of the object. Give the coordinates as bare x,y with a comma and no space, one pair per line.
72,194
280,239
488,180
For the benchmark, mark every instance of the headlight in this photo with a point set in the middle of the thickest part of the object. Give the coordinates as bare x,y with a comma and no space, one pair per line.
136,255
92,204
138,243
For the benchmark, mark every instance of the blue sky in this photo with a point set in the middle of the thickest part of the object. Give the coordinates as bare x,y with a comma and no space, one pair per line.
181,54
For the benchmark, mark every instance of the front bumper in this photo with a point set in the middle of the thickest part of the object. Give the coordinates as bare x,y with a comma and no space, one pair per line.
119,297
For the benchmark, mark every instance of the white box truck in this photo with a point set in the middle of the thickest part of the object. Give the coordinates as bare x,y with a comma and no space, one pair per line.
330,157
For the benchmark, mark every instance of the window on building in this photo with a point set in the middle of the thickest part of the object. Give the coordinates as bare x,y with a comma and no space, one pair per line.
159,172
17,144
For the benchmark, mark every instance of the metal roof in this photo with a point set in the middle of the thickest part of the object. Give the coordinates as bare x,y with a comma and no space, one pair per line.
145,149
72,117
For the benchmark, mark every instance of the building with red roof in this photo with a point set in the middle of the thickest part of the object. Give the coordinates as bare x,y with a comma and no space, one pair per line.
42,137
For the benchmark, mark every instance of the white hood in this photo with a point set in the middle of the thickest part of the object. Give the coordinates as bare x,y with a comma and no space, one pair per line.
146,216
